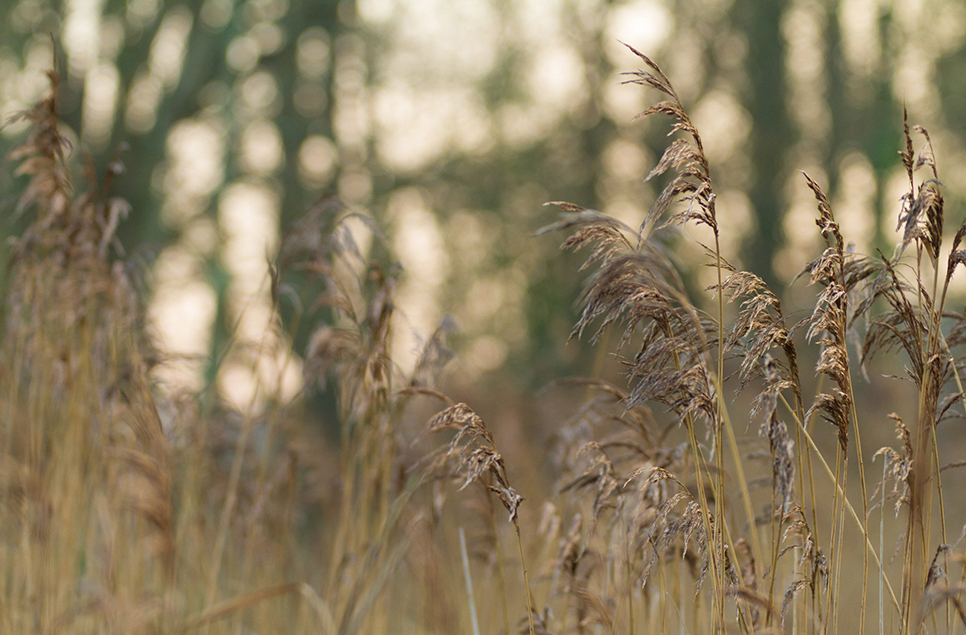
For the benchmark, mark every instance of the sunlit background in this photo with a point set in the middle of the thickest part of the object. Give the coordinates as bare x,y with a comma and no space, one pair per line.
451,123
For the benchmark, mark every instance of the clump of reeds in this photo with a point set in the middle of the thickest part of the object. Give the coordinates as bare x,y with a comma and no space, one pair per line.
349,355
472,457
123,515
762,564
85,465
120,515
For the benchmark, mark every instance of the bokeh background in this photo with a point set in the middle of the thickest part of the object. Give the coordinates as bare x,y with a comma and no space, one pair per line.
451,123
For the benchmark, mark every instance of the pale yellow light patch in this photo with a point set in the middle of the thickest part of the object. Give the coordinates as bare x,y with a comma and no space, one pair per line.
255,316
556,85
859,26
950,27
27,16
242,54
484,301
264,370
216,14
181,313
183,305
724,125
627,211
81,34
802,237
201,236
248,220
313,53
166,57
428,105
521,126
417,238
360,233
686,64
419,244
195,169
913,82
803,28
443,41
271,10
622,103
280,372
643,24
112,37
625,159
555,79
470,128
262,367
355,186
854,205
909,13
9,93
100,104
731,50
196,147
415,128
409,136
318,157
351,71
141,13
485,353
143,100
351,109
737,222
261,150
238,386
22,88
375,12
260,96
269,36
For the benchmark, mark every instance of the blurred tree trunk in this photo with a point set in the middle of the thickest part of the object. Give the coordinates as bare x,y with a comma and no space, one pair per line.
772,135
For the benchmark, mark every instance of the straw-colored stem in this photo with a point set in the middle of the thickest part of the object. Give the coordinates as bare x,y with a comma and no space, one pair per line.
848,505
469,582
720,502
526,576
833,541
501,575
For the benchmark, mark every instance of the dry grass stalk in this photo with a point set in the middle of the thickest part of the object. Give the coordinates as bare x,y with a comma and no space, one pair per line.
88,448
471,456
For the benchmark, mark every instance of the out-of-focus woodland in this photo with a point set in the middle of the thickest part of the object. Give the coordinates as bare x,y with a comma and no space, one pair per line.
452,123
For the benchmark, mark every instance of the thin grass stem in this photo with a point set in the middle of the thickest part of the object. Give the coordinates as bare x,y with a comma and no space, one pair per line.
526,577
848,505
469,582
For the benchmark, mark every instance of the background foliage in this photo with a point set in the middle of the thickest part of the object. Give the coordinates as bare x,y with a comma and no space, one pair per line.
453,122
